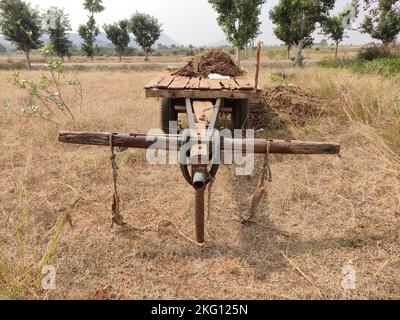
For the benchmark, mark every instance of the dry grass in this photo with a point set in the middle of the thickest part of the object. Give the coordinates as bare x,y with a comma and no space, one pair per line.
336,211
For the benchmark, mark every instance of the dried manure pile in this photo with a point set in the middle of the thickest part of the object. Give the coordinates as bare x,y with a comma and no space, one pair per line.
295,103
211,61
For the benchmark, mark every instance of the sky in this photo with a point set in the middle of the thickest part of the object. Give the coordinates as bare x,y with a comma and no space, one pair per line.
186,21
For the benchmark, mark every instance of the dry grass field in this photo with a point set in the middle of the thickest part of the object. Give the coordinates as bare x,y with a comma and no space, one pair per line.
322,212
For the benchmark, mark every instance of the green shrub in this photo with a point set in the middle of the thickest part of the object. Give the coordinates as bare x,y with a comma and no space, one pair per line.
373,52
386,67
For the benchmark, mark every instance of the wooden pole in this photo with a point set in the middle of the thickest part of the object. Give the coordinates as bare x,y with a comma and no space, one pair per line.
259,45
199,215
142,141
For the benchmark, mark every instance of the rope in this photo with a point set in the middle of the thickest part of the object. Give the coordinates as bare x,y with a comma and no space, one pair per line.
267,166
261,190
116,218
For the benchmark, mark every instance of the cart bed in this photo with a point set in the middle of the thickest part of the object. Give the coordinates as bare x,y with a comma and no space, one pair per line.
167,85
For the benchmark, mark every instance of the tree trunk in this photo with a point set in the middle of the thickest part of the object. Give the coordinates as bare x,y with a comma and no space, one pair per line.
288,51
28,60
92,58
238,55
120,56
62,59
299,57
336,49
146,57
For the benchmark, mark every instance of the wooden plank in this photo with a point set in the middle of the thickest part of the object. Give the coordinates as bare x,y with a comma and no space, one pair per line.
244,83
183,109
215,85
200,94
179,83
226,84
206,83
193,83
233,85
154,83
165,82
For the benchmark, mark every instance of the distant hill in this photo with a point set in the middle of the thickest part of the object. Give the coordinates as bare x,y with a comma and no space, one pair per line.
5,43
101,40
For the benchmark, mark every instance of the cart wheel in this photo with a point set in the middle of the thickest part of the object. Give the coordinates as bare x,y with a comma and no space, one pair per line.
239,113
168,113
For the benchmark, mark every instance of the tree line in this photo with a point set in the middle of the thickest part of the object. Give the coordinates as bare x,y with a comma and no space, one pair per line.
294,21
24,26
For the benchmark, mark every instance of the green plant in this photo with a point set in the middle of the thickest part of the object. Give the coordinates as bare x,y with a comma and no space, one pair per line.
272,77
386,67
47,101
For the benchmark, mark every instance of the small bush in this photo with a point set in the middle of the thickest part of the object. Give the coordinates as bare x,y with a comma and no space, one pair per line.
373,52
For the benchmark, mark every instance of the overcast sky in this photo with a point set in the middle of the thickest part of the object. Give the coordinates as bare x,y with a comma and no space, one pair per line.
186,21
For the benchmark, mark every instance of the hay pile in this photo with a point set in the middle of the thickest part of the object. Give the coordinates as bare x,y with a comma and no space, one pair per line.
211,61
295,103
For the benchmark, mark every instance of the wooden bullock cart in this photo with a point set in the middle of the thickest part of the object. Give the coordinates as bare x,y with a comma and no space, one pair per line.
202,99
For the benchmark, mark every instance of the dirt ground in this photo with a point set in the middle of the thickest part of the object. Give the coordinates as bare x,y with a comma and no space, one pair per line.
323,213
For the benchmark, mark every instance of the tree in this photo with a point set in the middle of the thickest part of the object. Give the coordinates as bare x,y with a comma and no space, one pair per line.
118,34
56,24
297,20
292,27
146,30
21,25
239,19
383,20
335,27
281,16
89,31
